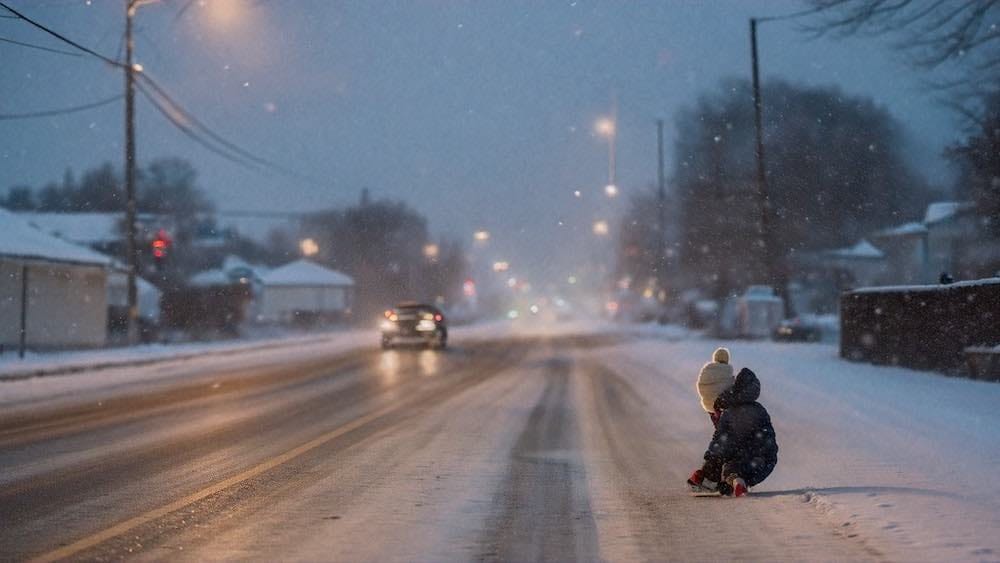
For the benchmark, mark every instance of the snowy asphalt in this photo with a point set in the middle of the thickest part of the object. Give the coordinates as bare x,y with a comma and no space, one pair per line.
515,450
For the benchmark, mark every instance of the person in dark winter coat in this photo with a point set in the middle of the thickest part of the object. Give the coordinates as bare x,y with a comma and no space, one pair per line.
743,450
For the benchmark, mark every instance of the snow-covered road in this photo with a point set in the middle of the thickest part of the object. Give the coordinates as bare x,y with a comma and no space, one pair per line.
538,446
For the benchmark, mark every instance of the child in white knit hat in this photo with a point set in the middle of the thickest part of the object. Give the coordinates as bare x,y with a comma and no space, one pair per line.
714,378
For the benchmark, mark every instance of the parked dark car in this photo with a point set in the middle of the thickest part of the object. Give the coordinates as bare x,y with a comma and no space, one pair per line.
798,329
414,323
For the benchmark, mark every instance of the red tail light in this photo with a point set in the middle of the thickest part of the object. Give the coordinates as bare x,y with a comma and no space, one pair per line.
438,318
388,313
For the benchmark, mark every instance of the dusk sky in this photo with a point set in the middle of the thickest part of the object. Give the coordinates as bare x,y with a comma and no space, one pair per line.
479,114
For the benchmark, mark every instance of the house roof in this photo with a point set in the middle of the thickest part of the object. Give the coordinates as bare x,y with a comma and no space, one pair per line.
82,228
906,229
306,273
234,264
863,249
20,239
944,210
209,278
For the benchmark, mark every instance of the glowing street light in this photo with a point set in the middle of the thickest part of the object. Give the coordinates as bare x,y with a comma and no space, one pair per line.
481,236
501,266
431,251
611,190
605,127
308,247
601,228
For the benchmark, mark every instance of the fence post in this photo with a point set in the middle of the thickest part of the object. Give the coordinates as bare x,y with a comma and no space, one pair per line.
24,311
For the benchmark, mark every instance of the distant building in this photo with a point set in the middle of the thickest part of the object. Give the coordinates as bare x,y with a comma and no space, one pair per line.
864,263
65,285
949,240
303,291
952,232
148,295
905,248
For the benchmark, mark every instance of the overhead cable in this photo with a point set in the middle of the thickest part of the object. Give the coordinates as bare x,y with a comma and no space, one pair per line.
48,113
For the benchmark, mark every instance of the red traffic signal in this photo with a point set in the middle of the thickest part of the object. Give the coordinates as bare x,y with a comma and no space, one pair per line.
161,243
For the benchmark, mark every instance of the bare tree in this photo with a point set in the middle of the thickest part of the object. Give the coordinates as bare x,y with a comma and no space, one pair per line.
959,37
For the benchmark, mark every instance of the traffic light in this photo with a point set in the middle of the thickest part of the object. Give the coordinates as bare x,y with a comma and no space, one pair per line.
161,244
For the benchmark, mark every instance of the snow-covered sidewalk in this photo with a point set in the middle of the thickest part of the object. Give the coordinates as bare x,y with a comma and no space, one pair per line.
13,368
900,460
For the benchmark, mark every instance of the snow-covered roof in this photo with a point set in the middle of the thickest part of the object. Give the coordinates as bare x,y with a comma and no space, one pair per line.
20,239
210,277
82,228
863,249
942,210
233,264
306,273
906,229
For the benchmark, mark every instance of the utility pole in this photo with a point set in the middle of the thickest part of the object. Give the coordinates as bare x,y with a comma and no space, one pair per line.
612,140
661,209
131,248
775,274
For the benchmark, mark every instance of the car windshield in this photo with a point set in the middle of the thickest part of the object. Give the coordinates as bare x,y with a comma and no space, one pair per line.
508,280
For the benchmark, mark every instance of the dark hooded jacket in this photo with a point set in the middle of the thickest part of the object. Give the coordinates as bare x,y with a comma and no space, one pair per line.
744,433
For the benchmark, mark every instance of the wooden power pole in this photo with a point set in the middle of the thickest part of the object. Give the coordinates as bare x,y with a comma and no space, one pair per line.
131,247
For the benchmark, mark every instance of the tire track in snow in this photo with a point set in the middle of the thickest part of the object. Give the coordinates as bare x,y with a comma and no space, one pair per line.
542,512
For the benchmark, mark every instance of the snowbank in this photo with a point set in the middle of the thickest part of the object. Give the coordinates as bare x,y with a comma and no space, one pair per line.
12,368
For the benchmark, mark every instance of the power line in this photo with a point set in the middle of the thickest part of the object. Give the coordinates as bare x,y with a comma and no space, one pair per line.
59,36
40,47
47,113
205,129
175,112
176,120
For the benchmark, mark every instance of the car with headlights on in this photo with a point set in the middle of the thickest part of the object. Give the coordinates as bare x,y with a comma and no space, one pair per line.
414,323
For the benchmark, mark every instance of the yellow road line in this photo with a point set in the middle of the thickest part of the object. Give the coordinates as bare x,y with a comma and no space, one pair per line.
122,527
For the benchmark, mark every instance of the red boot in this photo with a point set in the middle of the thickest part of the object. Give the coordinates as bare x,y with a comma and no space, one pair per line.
739,487
698,484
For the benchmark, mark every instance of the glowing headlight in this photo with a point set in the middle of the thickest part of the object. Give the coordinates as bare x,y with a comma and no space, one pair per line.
387,325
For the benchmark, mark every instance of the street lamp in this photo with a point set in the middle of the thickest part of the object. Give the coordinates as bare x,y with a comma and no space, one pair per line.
601,228
431,251
309,247
481,236
607,127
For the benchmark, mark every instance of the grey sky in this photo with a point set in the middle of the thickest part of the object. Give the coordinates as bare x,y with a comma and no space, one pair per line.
480,114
